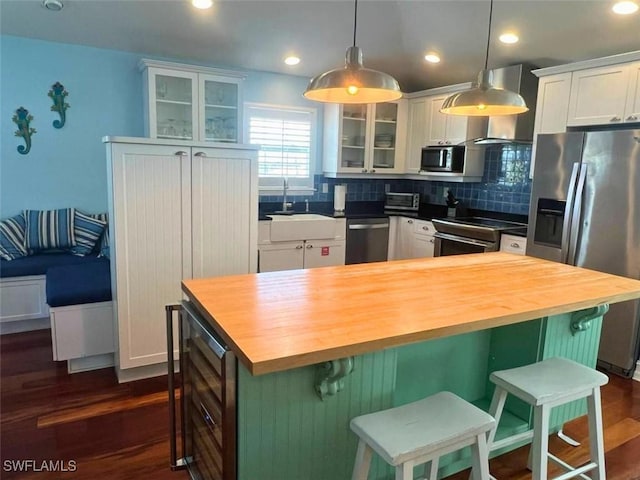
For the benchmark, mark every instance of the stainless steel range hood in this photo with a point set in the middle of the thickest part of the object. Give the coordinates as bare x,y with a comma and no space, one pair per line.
508,128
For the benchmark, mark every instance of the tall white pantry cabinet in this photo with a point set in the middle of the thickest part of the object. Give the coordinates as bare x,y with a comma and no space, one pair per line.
177,210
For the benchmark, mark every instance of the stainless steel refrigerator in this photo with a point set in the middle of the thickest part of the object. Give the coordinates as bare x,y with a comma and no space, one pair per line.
585,211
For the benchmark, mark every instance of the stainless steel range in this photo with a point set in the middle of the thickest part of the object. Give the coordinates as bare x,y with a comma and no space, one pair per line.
457,236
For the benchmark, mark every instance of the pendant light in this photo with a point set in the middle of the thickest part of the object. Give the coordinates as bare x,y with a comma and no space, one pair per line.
483,99
353,83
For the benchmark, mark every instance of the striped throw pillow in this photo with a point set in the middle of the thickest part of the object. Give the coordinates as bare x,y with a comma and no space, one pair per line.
103,241
87,229
49,229
12,238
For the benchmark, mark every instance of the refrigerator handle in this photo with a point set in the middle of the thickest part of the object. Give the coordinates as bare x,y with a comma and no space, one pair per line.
577,212
568,213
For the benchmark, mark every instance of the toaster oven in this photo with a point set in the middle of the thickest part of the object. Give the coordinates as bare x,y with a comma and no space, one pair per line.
402,201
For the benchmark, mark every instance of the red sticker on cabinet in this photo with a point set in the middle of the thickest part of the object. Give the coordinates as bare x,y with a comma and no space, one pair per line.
325,251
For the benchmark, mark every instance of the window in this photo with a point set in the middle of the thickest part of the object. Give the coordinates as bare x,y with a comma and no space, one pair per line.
286,136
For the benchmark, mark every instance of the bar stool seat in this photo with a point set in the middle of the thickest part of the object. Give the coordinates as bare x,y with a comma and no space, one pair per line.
420,432
544,385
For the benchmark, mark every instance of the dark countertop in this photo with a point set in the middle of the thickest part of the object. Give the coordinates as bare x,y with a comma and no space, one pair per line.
427,211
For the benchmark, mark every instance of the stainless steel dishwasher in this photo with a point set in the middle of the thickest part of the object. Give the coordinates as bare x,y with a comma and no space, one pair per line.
367,240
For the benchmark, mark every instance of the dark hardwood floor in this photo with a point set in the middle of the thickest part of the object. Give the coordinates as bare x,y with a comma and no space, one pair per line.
113,431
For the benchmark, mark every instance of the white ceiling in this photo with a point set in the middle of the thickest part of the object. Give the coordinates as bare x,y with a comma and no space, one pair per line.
393,34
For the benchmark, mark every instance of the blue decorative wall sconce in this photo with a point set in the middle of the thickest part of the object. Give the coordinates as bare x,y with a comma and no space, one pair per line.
22,119
58,94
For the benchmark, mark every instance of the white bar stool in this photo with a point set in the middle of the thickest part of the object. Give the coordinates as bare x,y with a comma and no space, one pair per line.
545,385
420,432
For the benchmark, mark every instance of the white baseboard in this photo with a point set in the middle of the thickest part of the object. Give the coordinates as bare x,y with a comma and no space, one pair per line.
19,326
148,371
636,374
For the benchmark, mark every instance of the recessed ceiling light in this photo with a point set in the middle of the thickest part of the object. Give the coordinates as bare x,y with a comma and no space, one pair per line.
509,38
625,8
202,4
53,5
432,58
292,60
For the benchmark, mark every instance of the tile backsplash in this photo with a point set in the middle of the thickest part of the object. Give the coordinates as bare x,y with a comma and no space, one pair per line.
505,185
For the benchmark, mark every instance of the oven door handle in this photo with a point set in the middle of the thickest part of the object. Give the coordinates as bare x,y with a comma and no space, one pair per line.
468,241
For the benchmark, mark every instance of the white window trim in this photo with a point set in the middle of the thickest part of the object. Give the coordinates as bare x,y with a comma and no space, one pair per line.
297,186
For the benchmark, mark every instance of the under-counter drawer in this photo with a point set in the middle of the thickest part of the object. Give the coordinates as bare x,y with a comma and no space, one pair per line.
513,244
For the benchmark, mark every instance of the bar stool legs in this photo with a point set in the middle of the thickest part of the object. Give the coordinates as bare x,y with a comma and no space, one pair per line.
544,385
363,461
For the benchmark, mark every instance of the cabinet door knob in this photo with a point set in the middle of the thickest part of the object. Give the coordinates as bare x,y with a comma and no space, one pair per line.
200,154
448,142
309,246
615,119
431,240
425,228
364,170
632,118
515,245
373,170
409,221
181,153
440,142
298,247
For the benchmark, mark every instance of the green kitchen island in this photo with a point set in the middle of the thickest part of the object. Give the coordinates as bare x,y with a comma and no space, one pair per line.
318,347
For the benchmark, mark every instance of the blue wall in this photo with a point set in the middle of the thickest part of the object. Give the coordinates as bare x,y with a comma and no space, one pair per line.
67,167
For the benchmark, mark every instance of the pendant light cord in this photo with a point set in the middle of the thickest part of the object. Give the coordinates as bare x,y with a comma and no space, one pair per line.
486,58
355,21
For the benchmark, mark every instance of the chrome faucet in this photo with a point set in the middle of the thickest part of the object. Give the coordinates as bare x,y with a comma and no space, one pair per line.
285,204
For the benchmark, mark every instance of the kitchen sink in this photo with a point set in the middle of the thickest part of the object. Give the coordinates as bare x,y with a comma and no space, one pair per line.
301,226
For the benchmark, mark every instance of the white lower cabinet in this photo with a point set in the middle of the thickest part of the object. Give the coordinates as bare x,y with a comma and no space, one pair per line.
411,238
423,239
176,212
277,256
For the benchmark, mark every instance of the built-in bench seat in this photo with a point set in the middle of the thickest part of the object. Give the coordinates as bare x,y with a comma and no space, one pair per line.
79,283
39,264
73,293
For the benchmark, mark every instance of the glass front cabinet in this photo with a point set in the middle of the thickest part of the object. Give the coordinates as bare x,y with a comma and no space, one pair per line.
365,139
184,102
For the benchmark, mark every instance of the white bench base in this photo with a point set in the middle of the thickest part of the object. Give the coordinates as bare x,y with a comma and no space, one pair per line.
83,335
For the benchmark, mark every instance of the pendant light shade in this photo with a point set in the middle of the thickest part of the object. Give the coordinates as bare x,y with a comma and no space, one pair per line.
353,83
483,99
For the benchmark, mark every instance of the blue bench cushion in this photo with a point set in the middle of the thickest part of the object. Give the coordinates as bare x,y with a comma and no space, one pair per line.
79,284
40,263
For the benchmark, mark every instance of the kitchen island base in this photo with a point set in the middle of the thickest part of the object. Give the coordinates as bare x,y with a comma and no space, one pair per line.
286,432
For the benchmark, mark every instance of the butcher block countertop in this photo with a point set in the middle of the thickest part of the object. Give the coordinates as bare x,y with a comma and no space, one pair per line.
282,320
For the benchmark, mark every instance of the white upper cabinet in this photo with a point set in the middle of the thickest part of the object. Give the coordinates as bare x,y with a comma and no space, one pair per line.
365,139
441,129
183,102
632,110
605,95
552,107
416,136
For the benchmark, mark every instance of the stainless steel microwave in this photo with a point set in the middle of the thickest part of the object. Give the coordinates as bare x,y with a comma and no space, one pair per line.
443,159
402,201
